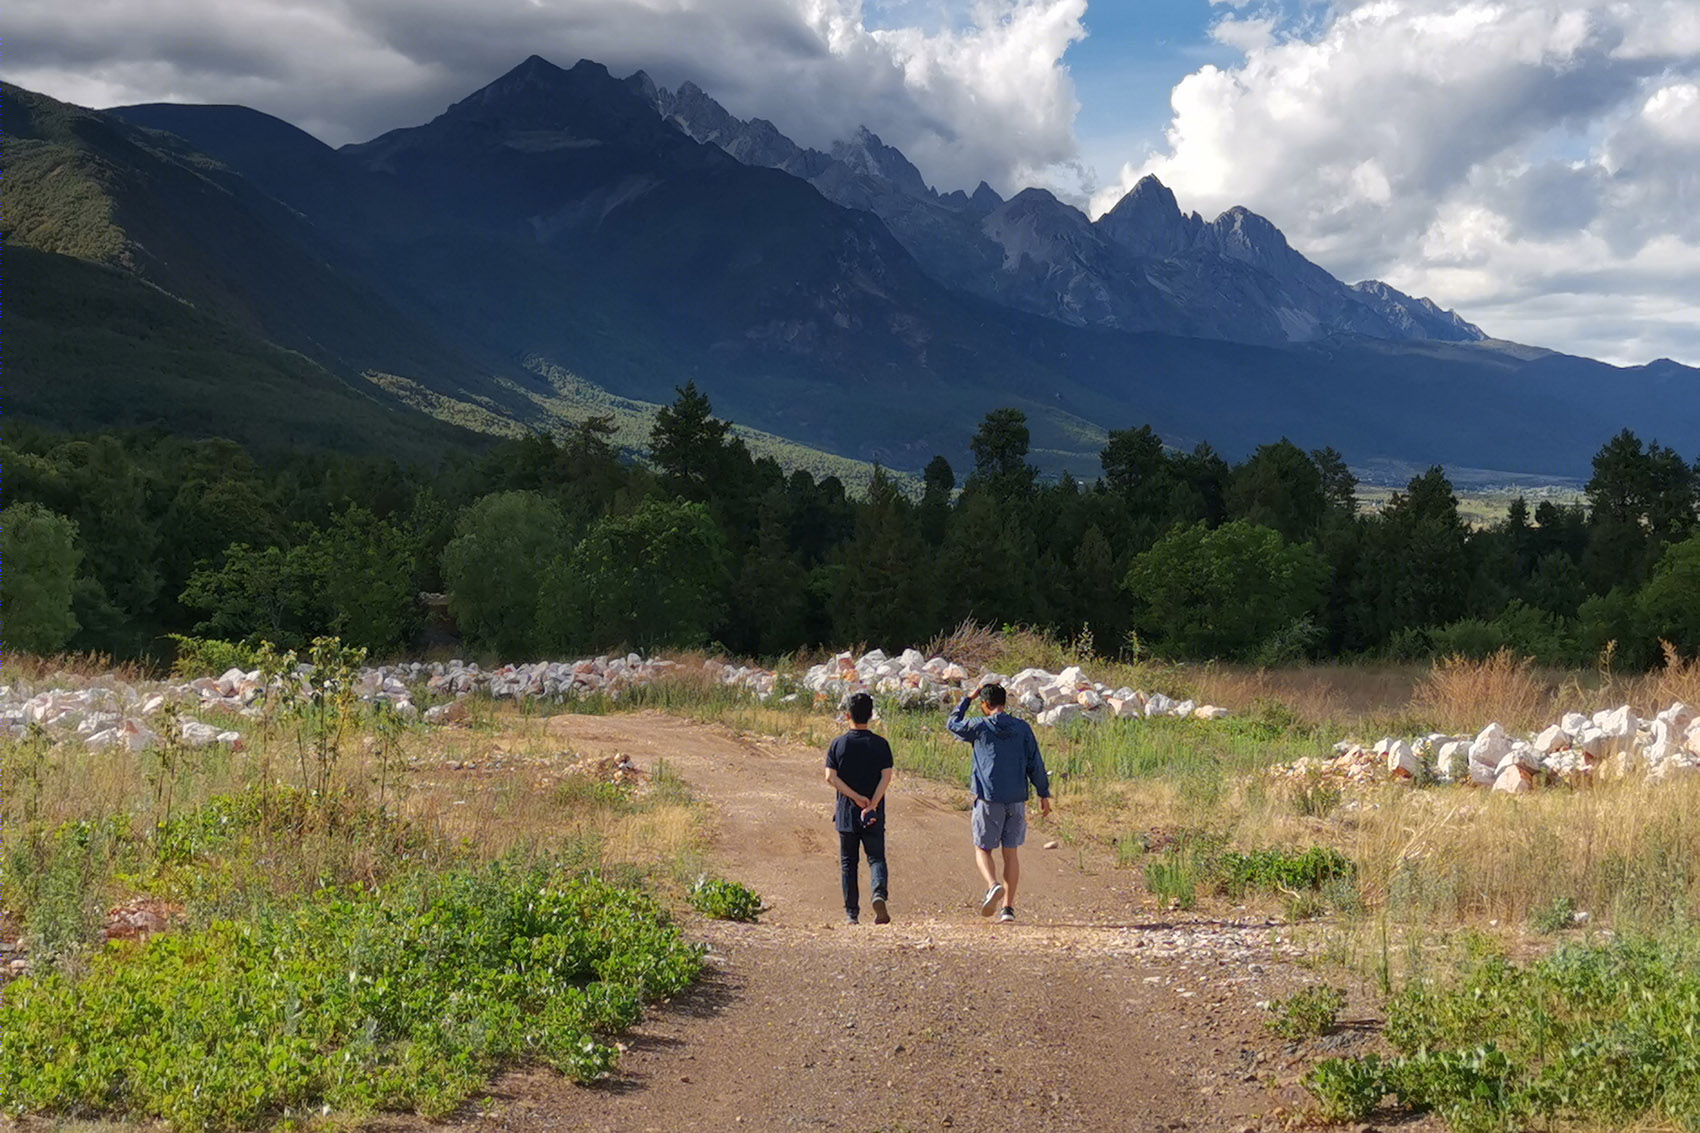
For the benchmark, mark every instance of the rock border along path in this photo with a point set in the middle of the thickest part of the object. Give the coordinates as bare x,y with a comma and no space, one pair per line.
1612,741
104,712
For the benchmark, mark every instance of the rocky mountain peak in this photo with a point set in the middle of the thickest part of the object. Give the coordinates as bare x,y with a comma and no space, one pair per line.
1240,228
534,80
866,154
1415,317
1035,223
644,87
984,199
696,114
1148,221
1149,188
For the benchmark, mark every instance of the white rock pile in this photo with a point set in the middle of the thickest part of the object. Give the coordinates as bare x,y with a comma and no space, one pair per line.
112,714
1050,698
105,712
1612,741
540,680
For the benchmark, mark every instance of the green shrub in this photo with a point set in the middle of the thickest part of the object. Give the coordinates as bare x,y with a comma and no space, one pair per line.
60,881
1555,916
404,999
208,656
1203,861
1347,1089
1173,880
1307,1013
1600,1036
725,900
1273,869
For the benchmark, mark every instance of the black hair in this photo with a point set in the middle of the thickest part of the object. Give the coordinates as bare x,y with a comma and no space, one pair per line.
992,695
861,708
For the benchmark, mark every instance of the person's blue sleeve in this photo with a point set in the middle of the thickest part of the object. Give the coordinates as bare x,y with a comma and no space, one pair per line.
963,728
1036,773
834,753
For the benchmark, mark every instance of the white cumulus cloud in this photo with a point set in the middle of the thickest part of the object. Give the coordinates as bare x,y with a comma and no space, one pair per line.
1533,163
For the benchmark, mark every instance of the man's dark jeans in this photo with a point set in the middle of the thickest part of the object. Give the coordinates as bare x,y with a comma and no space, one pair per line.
871,840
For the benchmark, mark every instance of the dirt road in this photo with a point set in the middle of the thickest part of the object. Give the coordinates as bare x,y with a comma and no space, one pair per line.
1088,1014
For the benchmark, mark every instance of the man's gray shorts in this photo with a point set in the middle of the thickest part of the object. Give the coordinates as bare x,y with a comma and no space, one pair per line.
999,824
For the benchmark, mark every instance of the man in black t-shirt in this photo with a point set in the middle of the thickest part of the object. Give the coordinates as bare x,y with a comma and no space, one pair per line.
858,767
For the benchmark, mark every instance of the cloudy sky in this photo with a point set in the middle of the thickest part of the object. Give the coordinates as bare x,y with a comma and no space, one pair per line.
1534,164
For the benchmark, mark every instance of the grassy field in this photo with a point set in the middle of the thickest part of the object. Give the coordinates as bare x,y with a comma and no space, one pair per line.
1481,507
364,915
571,399
1509,939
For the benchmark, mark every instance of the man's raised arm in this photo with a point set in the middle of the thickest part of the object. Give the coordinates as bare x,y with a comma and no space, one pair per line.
963,728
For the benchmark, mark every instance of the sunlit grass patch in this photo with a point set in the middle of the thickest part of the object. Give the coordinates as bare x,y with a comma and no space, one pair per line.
402,998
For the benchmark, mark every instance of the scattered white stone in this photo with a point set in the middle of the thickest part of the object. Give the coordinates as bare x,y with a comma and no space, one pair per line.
1452,759
1515,779
1614,741
1402,761
1490,746
1062,713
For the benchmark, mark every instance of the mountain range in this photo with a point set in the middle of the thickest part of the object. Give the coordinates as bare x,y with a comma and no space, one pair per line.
564,239
1142,266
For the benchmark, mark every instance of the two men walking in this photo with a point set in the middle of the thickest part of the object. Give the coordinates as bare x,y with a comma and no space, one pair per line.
1006,760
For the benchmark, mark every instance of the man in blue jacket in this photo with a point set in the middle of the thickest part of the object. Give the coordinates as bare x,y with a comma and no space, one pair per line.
1006,759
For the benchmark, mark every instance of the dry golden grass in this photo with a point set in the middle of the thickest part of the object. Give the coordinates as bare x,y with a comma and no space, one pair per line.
971,645
1463,695
1679,679
71,667
1326,694
1620,851
1434,860
484,792
522,798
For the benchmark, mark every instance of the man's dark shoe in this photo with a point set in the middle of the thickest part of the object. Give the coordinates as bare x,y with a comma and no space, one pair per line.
990,901
851,918
880,914
1007,916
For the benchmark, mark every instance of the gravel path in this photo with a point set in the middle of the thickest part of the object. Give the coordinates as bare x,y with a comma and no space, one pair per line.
1088,1014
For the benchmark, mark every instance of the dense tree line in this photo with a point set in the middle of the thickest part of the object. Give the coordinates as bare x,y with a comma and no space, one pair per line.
555,545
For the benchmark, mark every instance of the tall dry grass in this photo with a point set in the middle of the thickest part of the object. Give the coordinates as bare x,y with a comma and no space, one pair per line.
1463,695
78,668
1626,853
1338,694
978,646
1678,679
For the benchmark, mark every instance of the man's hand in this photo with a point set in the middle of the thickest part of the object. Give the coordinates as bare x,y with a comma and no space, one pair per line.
869,816
1045,806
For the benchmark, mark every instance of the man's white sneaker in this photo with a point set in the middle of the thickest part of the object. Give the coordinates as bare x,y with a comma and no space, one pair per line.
1007,916
993,896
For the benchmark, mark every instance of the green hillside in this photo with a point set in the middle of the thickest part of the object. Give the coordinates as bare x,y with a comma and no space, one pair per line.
90,347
